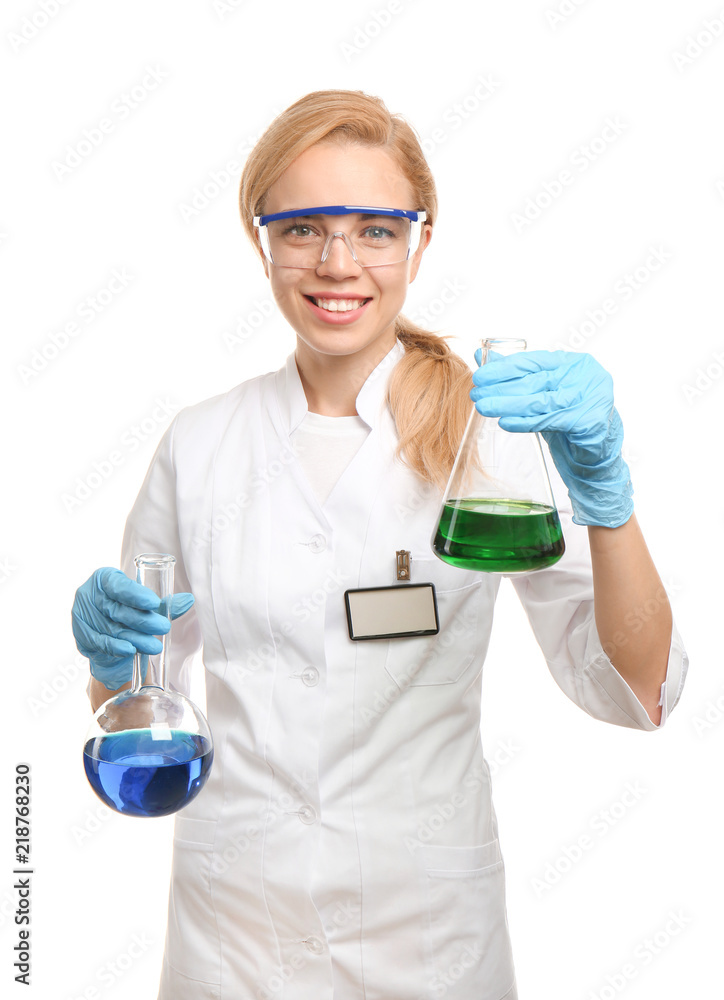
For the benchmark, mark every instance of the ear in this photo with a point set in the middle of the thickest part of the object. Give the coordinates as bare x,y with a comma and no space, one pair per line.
417,256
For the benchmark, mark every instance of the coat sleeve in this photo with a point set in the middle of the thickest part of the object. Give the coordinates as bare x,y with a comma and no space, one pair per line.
559,605
152,526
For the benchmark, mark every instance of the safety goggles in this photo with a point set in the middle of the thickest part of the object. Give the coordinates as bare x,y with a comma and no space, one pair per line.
375,237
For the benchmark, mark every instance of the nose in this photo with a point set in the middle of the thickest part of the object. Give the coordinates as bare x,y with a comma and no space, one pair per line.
338,258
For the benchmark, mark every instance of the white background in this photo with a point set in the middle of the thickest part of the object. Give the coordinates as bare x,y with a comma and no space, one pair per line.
533,91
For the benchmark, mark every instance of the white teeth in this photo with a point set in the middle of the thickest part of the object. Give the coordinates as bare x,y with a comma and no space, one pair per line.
338,305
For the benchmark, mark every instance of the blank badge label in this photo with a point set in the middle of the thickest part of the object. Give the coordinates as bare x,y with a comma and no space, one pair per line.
392,612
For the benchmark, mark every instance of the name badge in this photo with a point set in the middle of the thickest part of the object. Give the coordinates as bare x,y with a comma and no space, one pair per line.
394,611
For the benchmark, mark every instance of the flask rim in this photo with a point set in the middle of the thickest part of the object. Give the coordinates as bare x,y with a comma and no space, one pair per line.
512,343
154,560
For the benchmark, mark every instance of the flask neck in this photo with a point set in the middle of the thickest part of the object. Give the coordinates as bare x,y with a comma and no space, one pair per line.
155,571
503,346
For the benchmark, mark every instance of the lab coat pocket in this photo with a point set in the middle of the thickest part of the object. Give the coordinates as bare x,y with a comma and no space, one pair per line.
471,951
445,657
192,938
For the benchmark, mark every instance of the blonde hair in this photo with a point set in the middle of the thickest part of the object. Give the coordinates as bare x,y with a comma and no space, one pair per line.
428,393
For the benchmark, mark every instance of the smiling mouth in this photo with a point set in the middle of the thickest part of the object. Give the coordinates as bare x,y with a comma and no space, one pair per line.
338,305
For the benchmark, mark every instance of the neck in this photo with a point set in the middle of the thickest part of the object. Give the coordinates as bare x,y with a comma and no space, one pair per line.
332,382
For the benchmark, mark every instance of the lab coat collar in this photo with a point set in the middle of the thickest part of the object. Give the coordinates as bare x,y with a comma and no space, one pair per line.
293,402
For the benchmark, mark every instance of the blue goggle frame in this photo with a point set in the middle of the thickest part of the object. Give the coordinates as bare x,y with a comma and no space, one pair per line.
262,220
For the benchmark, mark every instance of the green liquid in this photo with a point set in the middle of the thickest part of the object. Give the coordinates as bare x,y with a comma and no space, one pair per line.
499,536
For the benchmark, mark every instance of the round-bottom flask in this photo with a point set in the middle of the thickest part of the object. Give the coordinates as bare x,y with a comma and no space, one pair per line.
498,514
149,750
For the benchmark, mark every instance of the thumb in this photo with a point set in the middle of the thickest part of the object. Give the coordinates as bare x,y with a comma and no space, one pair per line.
180,604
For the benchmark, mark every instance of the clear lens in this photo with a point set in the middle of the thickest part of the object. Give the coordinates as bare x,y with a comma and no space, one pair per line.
302,241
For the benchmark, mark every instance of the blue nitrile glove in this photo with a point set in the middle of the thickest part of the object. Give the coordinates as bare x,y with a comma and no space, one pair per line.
113,616
568,397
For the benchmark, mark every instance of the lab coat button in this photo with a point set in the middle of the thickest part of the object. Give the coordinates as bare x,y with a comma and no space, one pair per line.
314,945
317,543
310,676
307,815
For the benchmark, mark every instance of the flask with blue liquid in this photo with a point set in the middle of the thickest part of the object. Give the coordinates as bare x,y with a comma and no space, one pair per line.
149,749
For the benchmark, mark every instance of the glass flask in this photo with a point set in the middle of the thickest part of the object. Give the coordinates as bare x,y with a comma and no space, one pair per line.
148,751
498,514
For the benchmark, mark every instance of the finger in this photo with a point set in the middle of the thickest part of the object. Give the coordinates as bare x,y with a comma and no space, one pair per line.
180,604
90,642
528,384
510,406
148,644
148,622
121,588
118,644
127,644
517,366
491,356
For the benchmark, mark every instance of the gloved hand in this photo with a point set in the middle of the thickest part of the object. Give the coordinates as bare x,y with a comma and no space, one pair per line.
113,616
568,397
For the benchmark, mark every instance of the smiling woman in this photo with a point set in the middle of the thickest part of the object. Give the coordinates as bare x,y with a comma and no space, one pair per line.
345,844
344,148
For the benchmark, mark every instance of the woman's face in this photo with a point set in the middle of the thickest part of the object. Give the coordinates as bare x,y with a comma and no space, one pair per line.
343,175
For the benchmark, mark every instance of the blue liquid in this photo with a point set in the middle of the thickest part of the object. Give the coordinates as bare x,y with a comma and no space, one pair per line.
138,775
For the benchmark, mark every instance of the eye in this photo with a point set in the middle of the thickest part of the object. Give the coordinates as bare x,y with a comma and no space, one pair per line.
298,229
378,233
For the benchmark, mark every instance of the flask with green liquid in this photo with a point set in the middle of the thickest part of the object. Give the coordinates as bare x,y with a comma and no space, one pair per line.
498,513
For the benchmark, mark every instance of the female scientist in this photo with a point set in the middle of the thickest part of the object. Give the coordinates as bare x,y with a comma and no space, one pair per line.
315,865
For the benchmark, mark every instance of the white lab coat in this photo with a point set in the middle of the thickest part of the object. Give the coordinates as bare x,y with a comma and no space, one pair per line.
318,862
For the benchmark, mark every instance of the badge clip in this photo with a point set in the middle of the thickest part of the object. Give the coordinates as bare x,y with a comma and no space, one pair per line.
403,564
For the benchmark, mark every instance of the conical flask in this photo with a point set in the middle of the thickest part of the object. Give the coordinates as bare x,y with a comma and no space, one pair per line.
498,514
148,751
